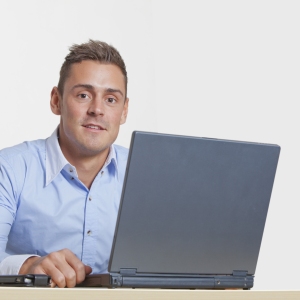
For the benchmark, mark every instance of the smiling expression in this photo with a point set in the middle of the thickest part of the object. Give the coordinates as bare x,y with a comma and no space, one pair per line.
92,108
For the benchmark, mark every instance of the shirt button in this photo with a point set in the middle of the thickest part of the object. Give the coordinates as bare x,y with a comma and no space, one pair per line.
90,198
72,178
102,173
89,232
71,170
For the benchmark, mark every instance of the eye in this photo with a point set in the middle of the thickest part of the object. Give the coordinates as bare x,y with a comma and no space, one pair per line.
111,100
83,96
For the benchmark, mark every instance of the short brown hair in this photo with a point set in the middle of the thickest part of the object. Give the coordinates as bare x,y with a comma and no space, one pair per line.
92,50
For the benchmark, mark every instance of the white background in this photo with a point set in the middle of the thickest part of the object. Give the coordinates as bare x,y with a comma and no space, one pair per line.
220,69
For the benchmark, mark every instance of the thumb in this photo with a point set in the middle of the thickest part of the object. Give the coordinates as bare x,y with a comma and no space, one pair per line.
88,269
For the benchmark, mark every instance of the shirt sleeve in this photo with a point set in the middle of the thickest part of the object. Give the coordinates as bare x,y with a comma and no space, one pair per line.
8,204
11,264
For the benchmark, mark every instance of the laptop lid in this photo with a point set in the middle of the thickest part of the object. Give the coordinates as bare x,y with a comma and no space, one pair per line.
192,205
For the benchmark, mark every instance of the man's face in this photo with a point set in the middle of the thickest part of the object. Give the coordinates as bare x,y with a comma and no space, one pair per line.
92,108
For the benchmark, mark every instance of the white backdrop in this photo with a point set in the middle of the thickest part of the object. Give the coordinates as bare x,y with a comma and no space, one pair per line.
220,69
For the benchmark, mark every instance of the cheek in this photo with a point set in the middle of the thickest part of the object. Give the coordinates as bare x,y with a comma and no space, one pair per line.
117,118
72,112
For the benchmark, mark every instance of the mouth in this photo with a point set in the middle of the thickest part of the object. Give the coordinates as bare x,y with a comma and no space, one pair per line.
93,126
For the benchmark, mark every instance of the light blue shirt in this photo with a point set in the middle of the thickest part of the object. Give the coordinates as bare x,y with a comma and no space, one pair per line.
44,207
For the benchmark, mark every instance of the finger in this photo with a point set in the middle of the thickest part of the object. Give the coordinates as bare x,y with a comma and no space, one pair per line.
56,266
77,266
69,275
88,269
57,277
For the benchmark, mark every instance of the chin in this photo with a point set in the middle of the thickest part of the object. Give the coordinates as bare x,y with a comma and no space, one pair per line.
95,150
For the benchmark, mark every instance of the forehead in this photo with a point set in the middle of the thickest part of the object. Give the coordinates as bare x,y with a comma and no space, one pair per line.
95,73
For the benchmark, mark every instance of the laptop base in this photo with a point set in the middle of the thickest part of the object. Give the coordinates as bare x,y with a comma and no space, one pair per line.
117,280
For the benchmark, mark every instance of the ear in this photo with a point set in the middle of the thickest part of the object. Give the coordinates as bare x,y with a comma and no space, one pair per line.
55,101
124,112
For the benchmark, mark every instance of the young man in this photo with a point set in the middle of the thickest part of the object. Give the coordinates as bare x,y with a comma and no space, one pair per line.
59,197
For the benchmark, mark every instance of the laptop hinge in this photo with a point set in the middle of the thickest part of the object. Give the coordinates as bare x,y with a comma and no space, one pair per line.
240,273
128,271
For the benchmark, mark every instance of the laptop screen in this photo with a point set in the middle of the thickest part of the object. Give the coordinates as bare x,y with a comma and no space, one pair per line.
193,205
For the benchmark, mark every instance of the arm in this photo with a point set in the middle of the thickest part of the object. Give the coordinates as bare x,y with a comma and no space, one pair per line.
8,264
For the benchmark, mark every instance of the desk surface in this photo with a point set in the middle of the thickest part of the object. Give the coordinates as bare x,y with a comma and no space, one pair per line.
138,294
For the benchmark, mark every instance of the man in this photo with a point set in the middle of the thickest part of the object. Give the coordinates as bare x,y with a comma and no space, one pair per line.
59,197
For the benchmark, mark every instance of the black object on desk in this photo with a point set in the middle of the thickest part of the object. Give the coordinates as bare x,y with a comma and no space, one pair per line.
28,280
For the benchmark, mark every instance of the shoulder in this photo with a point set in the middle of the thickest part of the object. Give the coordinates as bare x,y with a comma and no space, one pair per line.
18,161
23,152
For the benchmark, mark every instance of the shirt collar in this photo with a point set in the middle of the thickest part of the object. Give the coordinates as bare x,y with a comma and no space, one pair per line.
112,158
55,160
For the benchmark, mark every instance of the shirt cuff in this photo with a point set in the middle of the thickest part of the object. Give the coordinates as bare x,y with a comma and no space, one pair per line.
12,264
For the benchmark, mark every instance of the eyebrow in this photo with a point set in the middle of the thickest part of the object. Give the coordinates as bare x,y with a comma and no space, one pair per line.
86,86
111,90
91,87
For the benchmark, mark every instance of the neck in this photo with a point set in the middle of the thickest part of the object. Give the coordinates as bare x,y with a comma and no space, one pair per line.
87,166
87,169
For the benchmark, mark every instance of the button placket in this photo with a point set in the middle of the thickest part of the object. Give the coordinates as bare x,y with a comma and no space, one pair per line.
90,231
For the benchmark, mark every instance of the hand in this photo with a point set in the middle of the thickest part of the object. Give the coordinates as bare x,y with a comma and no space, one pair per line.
64,267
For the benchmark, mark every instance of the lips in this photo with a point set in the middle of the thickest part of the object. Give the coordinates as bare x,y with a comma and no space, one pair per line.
93,126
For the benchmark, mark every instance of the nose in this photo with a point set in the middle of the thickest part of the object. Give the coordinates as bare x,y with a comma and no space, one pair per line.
96,107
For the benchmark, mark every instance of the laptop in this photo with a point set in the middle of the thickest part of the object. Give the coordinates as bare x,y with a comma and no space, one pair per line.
192,213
